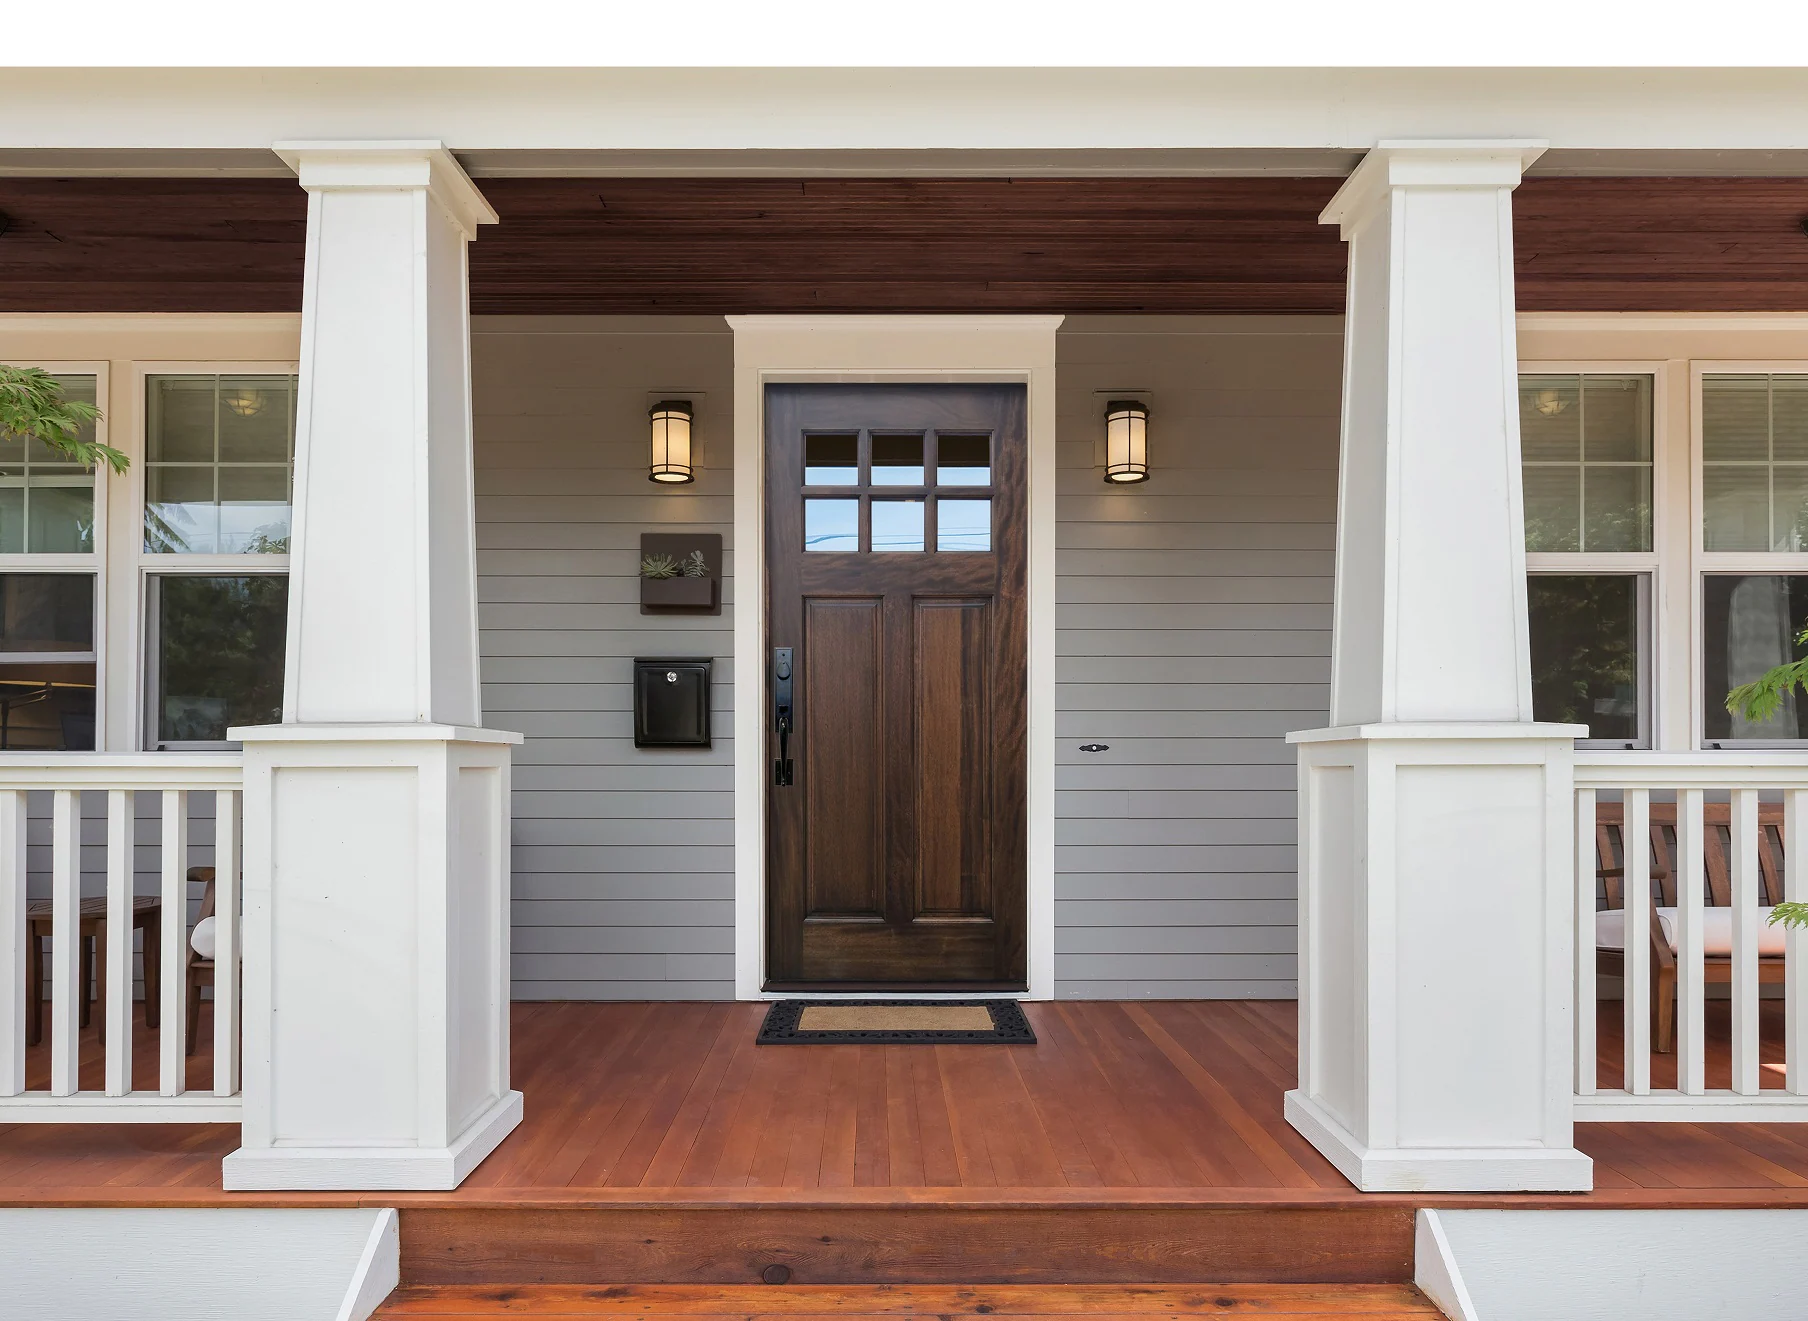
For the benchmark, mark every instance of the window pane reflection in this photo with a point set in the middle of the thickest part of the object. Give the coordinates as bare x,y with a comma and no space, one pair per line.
963,460
897,525
898,461
963,524
219,658
1586,642
1749,623
831,460
832,525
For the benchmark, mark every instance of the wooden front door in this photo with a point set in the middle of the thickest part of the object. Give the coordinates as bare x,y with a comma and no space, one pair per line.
895,552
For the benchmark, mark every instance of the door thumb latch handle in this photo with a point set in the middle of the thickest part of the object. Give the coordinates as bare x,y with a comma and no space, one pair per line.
781,715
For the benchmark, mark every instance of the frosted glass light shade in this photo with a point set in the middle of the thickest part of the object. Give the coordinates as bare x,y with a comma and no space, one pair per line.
1126,441
671,423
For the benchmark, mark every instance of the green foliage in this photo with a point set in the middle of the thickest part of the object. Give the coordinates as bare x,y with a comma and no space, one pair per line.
222,653
1760,699
694,567
32,404
1790,914
658,566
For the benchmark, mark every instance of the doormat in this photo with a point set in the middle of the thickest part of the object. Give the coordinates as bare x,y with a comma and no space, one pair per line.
895,1023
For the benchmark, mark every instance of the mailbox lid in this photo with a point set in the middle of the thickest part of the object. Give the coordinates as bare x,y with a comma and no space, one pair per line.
671,702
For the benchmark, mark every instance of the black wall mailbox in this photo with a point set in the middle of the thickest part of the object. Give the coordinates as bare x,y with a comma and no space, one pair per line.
671,702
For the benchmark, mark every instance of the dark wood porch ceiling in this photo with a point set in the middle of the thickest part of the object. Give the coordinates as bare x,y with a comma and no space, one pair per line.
913,245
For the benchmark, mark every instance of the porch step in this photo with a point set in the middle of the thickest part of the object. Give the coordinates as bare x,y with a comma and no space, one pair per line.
914,1242
1274,1302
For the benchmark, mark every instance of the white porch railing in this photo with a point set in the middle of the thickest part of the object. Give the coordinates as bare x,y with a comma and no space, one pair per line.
1694,793
172,777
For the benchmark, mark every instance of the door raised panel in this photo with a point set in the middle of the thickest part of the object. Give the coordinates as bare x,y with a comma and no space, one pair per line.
953,723
843,694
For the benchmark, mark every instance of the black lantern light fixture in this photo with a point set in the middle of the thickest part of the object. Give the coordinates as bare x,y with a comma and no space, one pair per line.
1126,441
671,423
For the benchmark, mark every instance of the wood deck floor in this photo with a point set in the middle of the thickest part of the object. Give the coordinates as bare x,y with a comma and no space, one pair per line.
1142,1101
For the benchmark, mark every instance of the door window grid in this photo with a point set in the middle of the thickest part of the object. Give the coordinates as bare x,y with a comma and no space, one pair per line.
882,493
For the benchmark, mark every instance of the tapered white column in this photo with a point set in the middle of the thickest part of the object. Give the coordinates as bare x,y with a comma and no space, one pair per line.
376,816
1435,815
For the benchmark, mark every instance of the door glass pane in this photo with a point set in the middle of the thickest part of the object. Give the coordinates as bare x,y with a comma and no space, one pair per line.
963,524
254,510
963,460
1586,641
62,515
831,460
179,510
1749,624
1553,503
832,525
219,654
897,525
1616,507
898,461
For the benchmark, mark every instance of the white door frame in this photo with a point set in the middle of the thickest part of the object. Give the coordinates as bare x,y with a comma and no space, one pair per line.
876,349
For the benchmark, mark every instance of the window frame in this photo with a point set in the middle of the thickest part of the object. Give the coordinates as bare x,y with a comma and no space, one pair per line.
1647,565
1702,561
147,564
94,562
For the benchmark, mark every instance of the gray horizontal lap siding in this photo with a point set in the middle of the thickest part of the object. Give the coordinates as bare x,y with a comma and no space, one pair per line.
1193,632
623,858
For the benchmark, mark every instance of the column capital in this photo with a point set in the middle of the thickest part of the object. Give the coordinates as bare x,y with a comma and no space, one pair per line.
1429,163
364,164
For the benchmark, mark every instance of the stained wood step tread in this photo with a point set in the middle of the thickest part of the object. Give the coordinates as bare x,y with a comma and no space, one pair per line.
1359,1302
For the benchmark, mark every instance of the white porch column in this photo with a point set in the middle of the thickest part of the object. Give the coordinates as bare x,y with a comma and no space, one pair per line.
1435,816
376,814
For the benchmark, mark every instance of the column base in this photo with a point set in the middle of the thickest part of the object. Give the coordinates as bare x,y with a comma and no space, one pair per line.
372,1169
1439,1169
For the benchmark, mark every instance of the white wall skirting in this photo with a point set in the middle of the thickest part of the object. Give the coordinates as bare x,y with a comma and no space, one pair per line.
889,349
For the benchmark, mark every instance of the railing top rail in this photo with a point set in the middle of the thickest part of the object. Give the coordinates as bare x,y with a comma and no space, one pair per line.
121,770
1600,768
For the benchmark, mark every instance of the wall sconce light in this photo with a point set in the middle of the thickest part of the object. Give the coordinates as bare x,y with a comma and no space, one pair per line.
1126,441
671,422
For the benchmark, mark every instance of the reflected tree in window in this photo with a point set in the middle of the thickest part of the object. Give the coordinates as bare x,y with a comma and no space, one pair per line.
220,654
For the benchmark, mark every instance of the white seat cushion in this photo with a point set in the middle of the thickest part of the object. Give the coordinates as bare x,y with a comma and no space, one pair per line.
203,938
1716,931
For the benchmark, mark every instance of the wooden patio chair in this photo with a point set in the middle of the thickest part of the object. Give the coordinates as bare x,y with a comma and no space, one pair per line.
1716,847
199,971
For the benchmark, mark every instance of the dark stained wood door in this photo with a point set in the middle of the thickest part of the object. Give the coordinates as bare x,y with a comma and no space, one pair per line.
895,551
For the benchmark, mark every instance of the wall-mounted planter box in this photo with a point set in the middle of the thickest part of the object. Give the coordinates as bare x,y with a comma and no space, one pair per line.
684,594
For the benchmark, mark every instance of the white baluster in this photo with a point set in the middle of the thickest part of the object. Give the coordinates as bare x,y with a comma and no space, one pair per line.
14,994
226,949
1795,975
1586,882
65,942
1691,976
1635,888
117,1003
172,1035
1744,865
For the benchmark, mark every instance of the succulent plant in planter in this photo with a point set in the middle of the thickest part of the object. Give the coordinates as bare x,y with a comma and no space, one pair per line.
658,566
694,565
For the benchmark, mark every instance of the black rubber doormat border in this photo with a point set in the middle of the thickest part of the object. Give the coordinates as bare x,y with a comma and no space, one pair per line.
786,1024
